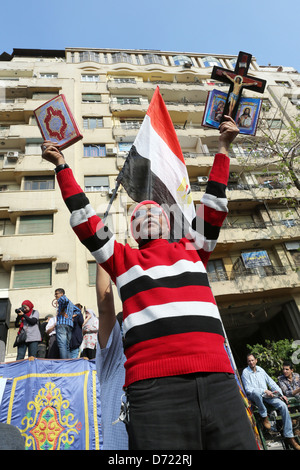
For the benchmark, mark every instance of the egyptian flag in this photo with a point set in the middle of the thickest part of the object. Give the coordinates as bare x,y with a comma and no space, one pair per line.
155,168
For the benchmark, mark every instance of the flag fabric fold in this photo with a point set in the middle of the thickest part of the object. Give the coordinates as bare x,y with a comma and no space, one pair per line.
155,168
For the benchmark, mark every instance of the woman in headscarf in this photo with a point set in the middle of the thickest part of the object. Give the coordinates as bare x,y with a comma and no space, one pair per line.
89,329
28,320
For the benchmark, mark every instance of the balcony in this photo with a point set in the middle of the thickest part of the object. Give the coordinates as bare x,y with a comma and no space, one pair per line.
265,279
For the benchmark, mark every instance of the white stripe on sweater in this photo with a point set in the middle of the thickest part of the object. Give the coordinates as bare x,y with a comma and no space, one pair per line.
169,310
157,272
217,203
103,254
80,216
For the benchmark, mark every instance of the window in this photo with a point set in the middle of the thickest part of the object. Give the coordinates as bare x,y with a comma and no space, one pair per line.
211,61
6,227
38,183
216,271
275,124
182,60
121,57
124,80
153,59
283,83
128,100
124,146
131,124
91,98
96,183
36,224
88,77
92,122
32,275
89,56
48,75
284,216
44,96
94,150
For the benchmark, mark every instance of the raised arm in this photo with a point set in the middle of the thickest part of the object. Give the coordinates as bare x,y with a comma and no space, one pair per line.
106,308
86,224
213,210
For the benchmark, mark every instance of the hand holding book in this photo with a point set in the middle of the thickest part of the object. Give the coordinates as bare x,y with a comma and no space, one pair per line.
56,122
52,154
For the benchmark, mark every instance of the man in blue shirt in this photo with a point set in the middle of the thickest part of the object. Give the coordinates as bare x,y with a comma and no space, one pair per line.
64,325
110,360
260,389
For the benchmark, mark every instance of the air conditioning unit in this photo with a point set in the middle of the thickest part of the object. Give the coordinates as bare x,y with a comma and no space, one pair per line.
62,267
202,179
111,150
12,155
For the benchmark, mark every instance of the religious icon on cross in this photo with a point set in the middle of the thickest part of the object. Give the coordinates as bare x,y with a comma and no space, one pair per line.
237,80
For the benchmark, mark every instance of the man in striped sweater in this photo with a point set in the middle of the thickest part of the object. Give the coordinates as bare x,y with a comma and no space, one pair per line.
179,381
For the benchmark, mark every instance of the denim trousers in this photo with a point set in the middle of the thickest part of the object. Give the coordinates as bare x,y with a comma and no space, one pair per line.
279,405
32,349
63,338
201,411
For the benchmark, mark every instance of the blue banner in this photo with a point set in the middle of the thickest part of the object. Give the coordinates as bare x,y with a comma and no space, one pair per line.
255,259
54,403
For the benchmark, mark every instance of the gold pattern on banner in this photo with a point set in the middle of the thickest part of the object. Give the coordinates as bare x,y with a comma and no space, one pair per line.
49,423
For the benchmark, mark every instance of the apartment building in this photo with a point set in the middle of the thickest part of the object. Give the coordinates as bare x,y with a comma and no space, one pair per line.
254,269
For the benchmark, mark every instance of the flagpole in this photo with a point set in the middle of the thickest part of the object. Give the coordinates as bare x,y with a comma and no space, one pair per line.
111,201
118,182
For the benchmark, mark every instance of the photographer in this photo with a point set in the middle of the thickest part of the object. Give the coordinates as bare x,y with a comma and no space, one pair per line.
28,321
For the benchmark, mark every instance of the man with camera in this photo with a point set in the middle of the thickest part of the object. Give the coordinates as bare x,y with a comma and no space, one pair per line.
28,336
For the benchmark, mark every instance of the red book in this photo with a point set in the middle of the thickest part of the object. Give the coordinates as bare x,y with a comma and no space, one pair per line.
56,122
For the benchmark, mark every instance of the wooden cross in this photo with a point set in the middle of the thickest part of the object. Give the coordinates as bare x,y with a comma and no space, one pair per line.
237,80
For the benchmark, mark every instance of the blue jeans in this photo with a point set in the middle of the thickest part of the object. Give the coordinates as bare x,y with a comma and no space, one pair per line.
74,353
32,349
279,405
63,338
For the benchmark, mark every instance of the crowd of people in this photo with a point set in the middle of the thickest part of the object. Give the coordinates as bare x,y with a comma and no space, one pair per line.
68,334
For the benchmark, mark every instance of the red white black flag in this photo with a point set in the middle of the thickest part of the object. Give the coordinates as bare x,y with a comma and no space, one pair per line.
155,168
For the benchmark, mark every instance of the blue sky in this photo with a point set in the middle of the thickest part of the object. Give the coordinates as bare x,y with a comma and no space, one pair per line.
268,29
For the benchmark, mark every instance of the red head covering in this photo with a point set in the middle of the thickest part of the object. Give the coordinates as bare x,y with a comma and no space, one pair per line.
30,305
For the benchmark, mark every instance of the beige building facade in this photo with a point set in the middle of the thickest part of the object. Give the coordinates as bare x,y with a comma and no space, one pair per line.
254,269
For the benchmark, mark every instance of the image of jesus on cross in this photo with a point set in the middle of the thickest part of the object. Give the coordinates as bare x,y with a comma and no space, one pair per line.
238,83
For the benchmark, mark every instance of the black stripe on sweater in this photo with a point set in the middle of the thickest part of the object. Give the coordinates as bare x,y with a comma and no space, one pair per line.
211,232
144,283
216,189
77,201
98,240
173,326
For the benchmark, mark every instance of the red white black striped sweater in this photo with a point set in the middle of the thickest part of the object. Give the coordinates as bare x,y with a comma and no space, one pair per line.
172,324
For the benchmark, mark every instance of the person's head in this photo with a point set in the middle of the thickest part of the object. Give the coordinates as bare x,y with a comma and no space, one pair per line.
148,222
238,79
287,369
59,293
79,306
251,360
27,306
